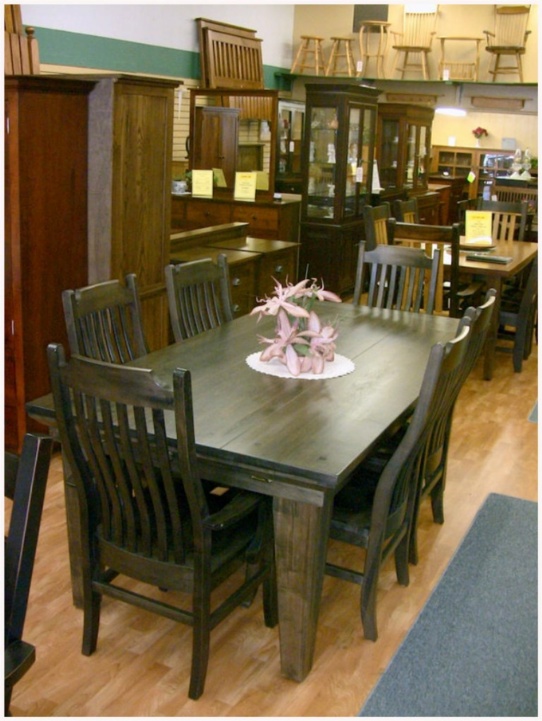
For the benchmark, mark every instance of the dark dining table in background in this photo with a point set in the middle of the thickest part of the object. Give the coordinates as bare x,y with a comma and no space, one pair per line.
296,440
494,276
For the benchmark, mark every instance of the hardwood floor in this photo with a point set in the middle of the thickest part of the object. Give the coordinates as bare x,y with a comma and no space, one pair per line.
141,666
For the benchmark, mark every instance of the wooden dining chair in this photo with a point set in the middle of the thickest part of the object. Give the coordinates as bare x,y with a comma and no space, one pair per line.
395,277
25,480
199,296
518,318
103,321
508,38
406,211
453,295
144,513
414,42
375,223
509,220
374,512
432,476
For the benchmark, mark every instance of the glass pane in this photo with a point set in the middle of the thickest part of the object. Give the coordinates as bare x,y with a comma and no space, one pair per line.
389,153
354,120
410,156
423,160
322,163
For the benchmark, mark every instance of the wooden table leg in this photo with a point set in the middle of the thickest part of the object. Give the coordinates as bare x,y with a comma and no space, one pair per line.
491,340
301,534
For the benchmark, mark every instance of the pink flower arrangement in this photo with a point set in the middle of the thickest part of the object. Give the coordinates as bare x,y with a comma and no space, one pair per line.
480,132
301,342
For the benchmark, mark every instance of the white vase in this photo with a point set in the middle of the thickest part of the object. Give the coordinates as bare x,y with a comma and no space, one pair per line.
478,143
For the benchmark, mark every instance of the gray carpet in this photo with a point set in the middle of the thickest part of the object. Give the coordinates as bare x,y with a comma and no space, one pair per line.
533,417
473,649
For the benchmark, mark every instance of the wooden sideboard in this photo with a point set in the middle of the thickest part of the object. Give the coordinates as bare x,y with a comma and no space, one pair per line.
275,220
253,262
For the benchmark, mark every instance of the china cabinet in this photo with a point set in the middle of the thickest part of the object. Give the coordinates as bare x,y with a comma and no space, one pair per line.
337,163
404,146
485,164
291,117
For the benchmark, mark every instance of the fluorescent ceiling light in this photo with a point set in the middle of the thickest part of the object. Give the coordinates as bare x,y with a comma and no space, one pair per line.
457,112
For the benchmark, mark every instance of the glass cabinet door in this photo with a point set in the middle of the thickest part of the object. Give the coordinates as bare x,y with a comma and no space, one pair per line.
389,154
409,172
358,169
290,135
322,177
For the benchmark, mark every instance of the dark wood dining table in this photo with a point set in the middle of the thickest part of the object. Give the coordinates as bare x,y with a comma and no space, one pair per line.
521,254
296,440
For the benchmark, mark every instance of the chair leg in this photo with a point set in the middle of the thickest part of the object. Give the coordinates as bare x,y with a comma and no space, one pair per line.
437,502
368,608
201,632
401,561
7,699
92,603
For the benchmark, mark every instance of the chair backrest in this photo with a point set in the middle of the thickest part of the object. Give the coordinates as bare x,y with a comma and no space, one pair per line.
199,296
479,320
133,490
419,26
510,26
462,207
21,56
398,487
25,482
399,278
509,219
433,236
406,211
375,221
104,321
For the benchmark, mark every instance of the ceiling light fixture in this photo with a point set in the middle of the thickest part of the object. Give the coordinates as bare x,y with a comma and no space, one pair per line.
456,112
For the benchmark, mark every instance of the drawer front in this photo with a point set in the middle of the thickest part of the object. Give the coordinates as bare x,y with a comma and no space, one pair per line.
201,215
281,266
263,222
243,287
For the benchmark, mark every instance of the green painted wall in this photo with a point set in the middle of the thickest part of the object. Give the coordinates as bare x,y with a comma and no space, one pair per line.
58,47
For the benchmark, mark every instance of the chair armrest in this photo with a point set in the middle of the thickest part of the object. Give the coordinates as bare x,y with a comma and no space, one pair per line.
240,506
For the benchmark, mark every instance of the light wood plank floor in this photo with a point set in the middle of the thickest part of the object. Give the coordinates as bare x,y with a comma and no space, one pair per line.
142,662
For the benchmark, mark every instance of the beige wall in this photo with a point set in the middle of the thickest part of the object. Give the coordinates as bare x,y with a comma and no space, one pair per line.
328,20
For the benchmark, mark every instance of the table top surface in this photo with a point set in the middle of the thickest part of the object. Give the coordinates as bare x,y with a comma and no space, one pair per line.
315,431
522,254
311,432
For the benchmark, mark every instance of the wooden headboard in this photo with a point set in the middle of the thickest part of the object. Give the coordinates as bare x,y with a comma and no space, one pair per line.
230,56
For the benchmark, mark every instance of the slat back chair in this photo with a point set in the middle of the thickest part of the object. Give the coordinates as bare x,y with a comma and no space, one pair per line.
21,52
509,220
144,512
432,481
376,513
406,211
397,278
375,222
508,38
104,321
25,483
518,319
449,296
199,296
416,39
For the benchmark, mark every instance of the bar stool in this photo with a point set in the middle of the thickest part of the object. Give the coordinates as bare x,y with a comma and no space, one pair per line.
366,29
310,45
339,52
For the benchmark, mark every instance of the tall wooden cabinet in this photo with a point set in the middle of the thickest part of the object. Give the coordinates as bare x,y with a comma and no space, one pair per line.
45,140
130,153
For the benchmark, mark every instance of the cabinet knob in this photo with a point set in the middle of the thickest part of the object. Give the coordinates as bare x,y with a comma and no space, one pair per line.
279,269
236,308
236,282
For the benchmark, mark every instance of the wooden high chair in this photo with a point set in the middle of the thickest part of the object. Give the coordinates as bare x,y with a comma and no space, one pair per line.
21,55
